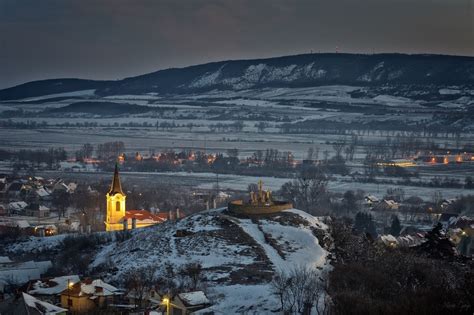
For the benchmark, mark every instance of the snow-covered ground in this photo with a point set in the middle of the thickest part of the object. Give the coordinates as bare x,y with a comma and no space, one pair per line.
237,260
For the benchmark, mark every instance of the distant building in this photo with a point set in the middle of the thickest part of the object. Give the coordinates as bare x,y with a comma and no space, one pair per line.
17,207
402,241
14,190
370,200
38,211
397,163
3,210
447,218
387,205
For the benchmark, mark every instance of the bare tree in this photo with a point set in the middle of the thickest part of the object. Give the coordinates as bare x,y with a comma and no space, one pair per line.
192,274
308,192
338,147
139,282
299,290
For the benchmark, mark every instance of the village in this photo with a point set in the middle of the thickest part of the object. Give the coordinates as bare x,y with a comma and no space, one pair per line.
35,207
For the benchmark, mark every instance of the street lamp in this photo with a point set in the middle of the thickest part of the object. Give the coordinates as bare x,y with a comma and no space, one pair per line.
69,286
166,301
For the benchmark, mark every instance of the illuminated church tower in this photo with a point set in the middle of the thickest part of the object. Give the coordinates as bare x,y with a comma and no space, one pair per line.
115,204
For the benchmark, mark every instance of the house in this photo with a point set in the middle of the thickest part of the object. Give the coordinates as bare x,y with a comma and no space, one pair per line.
402,241
3,210
3,188
15,228
462,222
42,194
14,189
45,230
371,200
446,218
5,260
26,304
387,205
447,203
389,240
49,289
72,187
18,273
188,303
89,295
151,297
39,211
17,207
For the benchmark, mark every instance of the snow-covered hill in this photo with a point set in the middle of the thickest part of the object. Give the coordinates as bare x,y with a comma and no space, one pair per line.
308,70
239,256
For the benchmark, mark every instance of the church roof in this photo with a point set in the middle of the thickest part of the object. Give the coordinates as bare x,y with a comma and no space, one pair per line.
143,215
116,187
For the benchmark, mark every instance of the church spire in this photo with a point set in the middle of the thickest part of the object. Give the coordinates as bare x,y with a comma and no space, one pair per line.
116,187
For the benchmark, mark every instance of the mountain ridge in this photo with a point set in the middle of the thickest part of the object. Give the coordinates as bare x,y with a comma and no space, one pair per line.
303,70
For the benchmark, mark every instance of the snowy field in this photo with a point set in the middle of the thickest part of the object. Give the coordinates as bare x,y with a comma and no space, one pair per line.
275,106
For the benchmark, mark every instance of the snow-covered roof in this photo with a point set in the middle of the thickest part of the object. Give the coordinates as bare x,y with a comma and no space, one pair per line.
91,288
222,194
20,273
194,298
145,216
391,202
5,260
53,286
23,224
41,306
371,198
17,205
42,192
388,238
15,186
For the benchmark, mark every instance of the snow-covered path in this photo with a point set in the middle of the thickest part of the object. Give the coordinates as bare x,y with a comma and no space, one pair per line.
298,244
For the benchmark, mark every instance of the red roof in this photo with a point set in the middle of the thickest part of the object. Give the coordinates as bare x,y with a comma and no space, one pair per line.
145,215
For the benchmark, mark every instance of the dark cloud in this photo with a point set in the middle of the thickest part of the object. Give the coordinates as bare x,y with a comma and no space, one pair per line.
111,39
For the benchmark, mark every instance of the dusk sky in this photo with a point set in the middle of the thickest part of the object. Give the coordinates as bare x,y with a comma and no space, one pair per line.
112,39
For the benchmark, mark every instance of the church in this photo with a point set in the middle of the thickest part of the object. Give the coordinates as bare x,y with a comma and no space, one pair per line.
118,218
